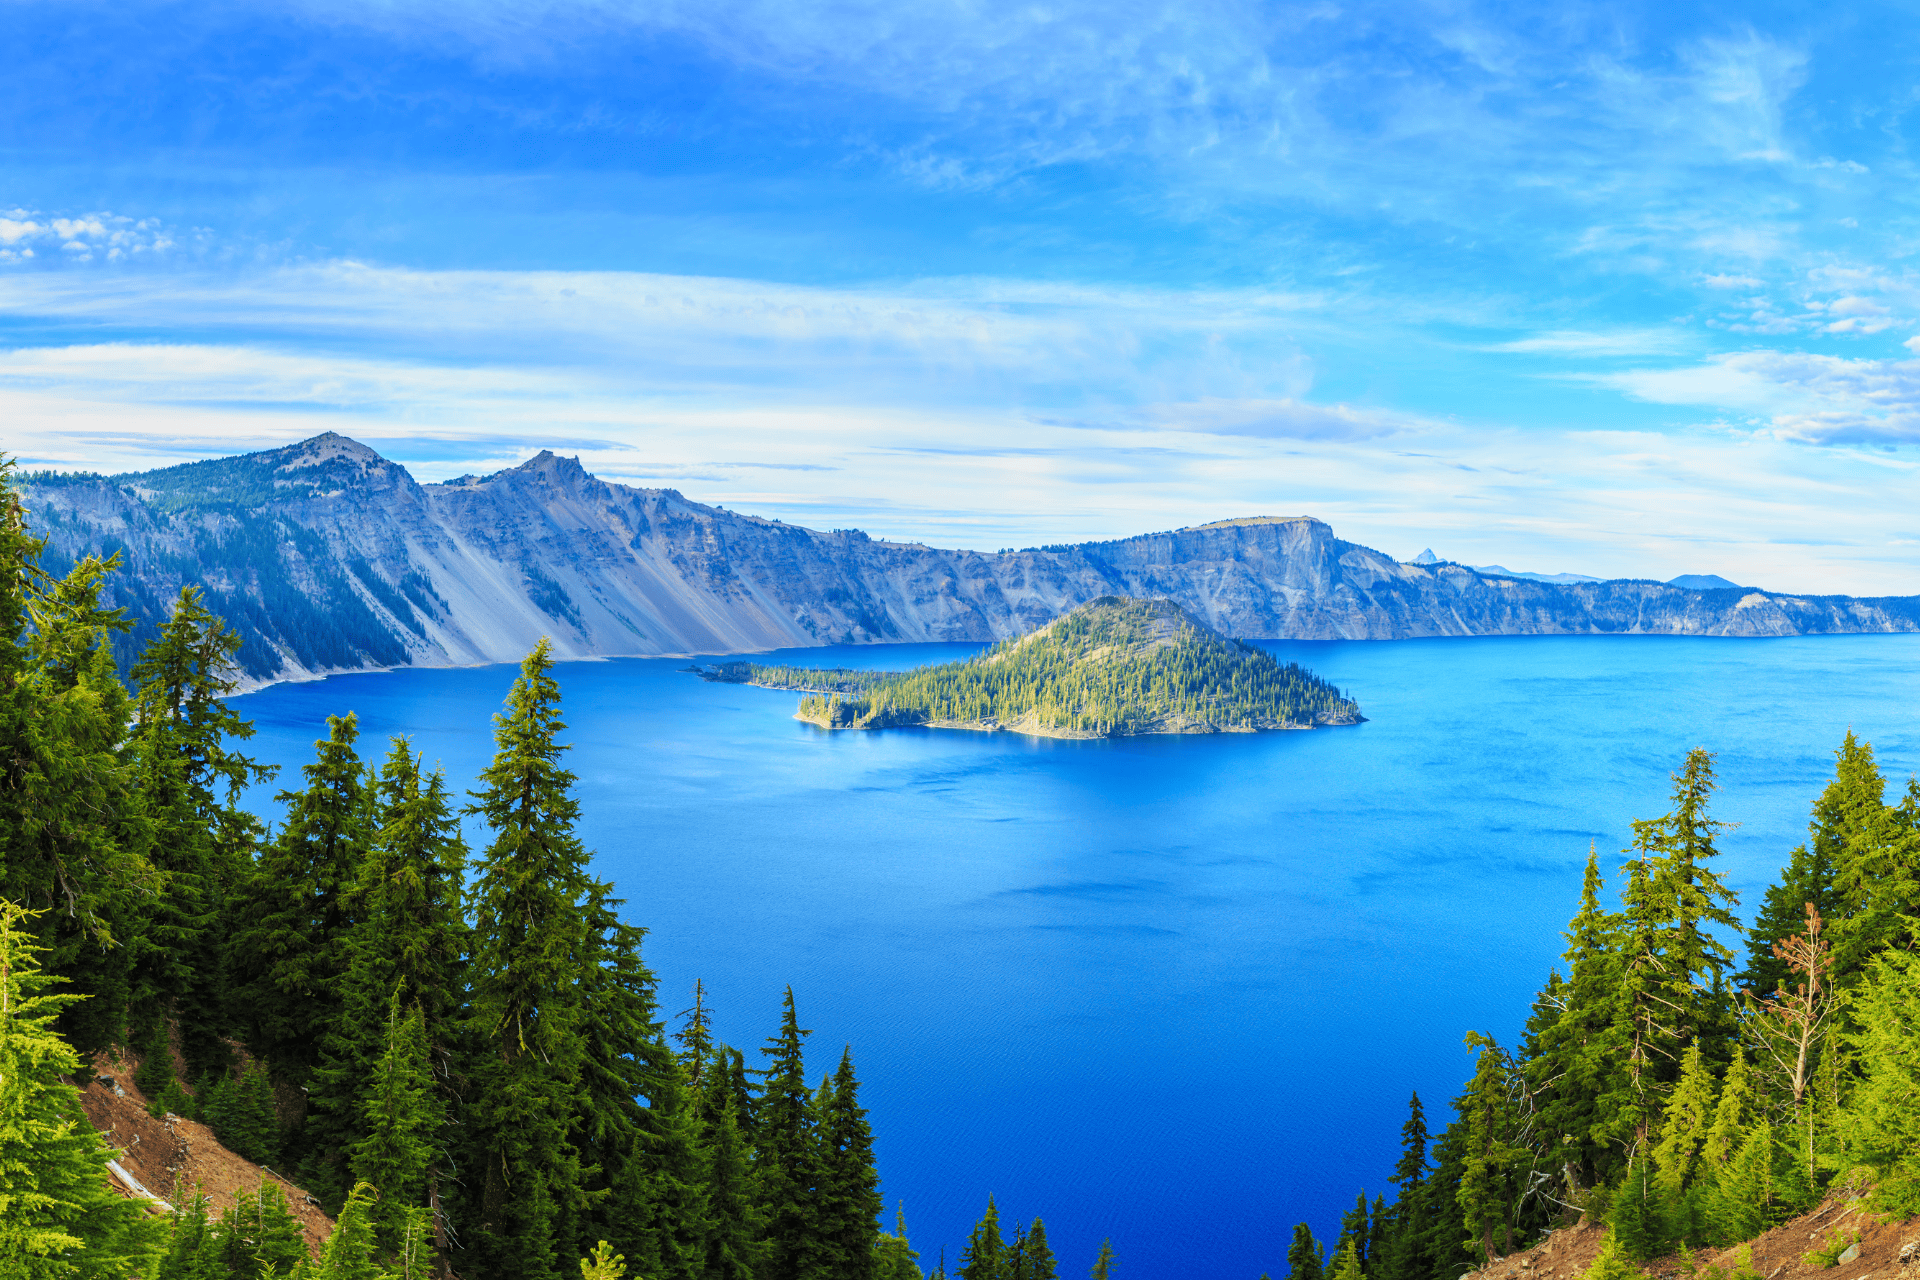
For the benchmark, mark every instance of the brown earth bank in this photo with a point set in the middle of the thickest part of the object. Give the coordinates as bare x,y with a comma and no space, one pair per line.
1780,1254
172,1158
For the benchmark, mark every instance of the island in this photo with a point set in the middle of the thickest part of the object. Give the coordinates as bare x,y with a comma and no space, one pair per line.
1115,666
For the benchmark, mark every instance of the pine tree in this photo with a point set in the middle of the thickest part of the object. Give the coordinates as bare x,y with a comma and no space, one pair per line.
696,1035
894,1258
1305,1259
1640,1213
985,1257
404,1116
603,1264
1355,1229
1612,1263
1878,882
1730,1116
1040,1262
1492,1158
1103,1265
73,833
1745,1203
240,1111
260,1237
1689,1117
1403,1257
1346,1263
190,780
528,895
57,1217
1882,1127
734,1222
193,1247
350,1252
787,1162
1574,1062
849,1186
297,905
408,939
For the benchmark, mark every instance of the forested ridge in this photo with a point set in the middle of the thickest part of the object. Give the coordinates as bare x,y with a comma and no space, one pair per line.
1686,1094
460,1053
1115,665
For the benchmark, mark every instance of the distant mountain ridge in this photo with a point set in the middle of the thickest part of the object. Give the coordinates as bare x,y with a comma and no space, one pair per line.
328,557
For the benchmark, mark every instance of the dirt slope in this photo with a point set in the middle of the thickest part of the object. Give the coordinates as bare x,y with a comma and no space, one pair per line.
1777,1255
172,1157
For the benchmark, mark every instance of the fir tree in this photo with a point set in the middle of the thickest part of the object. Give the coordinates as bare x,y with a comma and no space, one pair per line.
240,1111
1040,1262
894,1258
603,1264
1689,1117
528,895
259,1236
696,1035
1575,1059
190,780
1305,1259
1492,1158
1103,1265
985,1257
1730,1116
1346,1262
57,1217
408,939
1612,1263
734,1222
1745,1203
193,1247
1882,1127
1640,1213
350,1252
1355,1229
848,1197
297,905
787,1162
404,1116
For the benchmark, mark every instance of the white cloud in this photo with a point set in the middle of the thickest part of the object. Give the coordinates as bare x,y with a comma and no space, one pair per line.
1623,342
1733,282
1795,396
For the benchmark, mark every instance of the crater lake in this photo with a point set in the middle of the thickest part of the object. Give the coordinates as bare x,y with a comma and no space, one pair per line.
1169,990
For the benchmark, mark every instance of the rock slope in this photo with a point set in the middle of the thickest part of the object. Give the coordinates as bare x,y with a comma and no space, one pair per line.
328,557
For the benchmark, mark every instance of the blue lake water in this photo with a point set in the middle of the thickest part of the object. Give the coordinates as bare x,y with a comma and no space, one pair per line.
1169,990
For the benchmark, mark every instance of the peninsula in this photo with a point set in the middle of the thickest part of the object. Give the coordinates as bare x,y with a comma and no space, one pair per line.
1113,667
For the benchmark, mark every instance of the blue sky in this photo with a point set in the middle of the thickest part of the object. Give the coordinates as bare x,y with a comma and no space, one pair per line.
1621,289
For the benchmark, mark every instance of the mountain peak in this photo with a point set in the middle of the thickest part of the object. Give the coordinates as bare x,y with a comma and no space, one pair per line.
1427,557
328,446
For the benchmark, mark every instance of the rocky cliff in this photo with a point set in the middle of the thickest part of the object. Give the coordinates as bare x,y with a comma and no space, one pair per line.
328,557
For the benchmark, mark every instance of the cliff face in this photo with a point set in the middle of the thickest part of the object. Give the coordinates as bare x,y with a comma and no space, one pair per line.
326,556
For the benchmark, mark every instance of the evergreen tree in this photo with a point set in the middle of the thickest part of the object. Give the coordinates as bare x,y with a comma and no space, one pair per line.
734,1222
404,1116
1689,1117
259,1236
1744,1205
190,780
1574,1060
1346,1262
894,1258
528,897
696,1035
155,1071
1878,883
1495,1166
1355,1228
603,1264
57,1217
350,1252
240,1111
787,1161
1640,1212
1103,1265
1305,1258
1040,1262
1882,1127
985,1257
848,1197
408,939
1730,1116
1612,1263
193,1247
73,833
297,905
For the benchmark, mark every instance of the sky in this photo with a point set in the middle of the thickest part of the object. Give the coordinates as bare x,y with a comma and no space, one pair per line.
1622,289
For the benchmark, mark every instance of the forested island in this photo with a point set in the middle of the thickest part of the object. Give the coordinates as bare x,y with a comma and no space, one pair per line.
460,1054
1113,667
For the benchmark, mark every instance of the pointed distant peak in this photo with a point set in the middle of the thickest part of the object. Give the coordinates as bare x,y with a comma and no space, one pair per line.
1427,557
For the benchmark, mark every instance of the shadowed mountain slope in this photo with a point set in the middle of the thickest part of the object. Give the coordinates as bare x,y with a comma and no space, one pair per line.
328,557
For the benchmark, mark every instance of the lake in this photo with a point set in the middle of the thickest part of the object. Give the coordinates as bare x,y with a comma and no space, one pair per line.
1174,991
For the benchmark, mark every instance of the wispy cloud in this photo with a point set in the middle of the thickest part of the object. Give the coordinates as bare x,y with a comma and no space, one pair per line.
1818,399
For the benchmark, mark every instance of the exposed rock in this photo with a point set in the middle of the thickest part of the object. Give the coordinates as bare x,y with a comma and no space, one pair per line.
328,557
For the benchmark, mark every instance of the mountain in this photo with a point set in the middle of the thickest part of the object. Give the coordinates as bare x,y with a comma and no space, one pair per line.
1501,571
1704,582
327,557
1113,667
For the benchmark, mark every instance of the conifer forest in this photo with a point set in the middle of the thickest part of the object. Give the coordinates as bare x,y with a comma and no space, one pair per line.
460,1052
